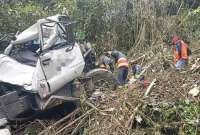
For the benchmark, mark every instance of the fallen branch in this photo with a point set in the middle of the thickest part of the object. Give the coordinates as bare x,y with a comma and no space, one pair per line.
102,113
94,107
196,51
79,126
150,87
133,61
41,123
129,123
59,122
179,9
73,122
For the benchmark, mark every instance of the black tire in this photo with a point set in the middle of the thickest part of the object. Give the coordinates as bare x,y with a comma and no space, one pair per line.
100,79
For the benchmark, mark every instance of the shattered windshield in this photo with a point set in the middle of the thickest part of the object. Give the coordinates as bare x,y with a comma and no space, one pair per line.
48,31
57,33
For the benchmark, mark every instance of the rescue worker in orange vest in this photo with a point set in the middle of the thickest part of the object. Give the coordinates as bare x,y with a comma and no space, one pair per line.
106,62
181,52
122,65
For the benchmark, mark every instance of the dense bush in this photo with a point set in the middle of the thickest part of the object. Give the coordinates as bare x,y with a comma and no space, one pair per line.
121,24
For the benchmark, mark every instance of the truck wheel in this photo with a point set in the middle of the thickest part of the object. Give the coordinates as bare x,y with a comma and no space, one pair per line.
101,79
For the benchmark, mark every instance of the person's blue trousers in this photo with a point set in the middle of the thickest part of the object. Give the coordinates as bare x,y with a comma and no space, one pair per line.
180,64
122,75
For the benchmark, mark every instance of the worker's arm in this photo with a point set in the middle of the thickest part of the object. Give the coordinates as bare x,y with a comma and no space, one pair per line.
110,62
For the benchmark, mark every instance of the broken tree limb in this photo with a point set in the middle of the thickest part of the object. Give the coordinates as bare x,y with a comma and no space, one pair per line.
60,121
129,123
41,123
133,61
75,131
73,122
179,8
94,107
150,87
196,51
130,120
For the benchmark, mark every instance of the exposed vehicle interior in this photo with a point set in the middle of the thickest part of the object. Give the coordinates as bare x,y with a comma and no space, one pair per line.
26,53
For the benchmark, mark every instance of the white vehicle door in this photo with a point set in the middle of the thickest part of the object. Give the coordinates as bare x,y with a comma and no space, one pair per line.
60,62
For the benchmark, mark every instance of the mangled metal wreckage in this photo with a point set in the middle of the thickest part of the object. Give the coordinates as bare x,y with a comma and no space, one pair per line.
40,66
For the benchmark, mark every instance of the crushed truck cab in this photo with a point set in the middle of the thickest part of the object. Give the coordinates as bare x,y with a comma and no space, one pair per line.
41,66
43,58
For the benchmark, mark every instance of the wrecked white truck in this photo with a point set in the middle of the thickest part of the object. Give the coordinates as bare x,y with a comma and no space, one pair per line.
41,67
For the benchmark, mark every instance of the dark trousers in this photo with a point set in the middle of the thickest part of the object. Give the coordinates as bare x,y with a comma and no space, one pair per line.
122,75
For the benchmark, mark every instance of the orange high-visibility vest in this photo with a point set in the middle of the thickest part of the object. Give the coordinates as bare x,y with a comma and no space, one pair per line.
183,54
122,62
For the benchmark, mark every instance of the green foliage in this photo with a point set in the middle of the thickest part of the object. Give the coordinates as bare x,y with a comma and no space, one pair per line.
65,7
30,131
80,36
192,23
190,114
19,16
182,115
121,24
27,14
